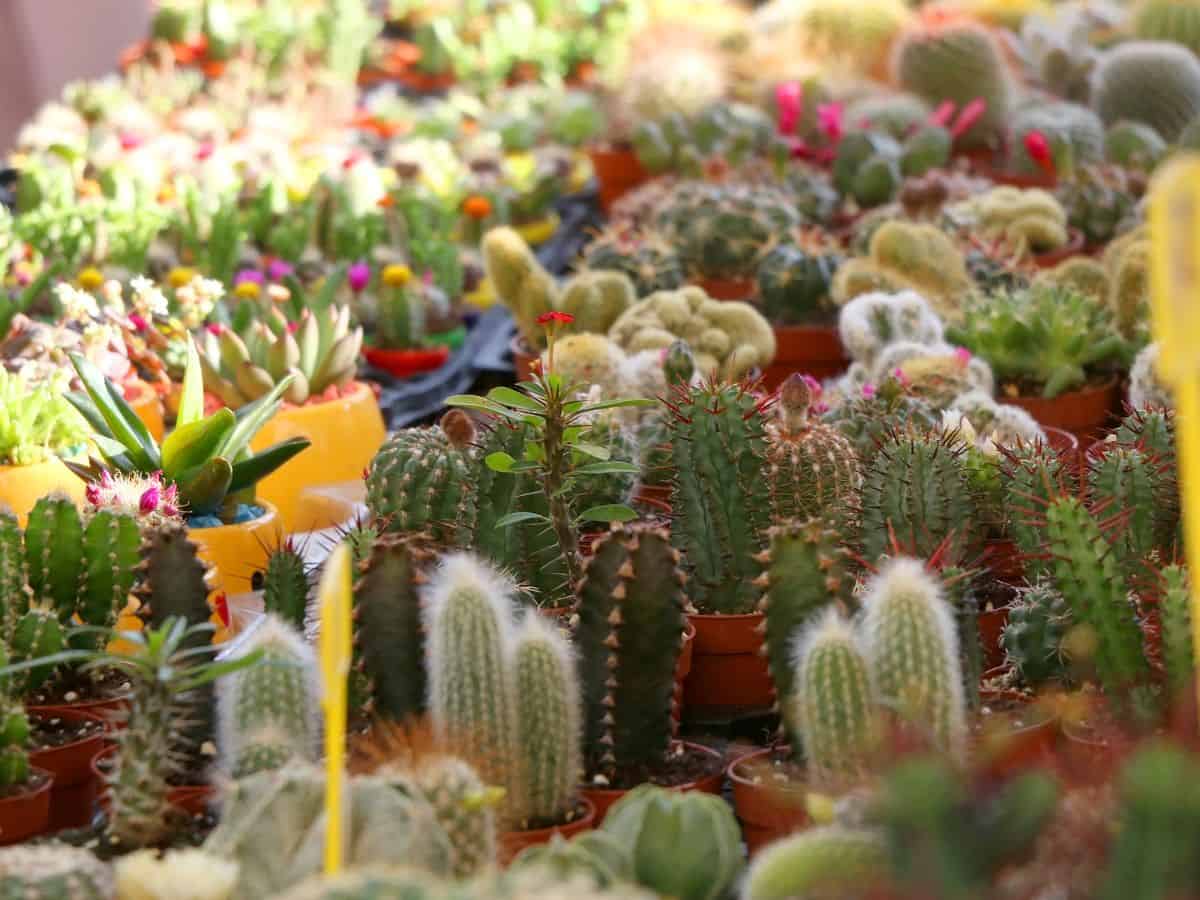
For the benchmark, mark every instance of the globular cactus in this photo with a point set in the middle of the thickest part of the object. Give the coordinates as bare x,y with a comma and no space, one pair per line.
587,359
14,736
830,861
1134,482
867,167
1082,274
1100,204
629,634
1156,83
593,854
1179,658
269,713
54,554
37,633
939,374
1146,387
896,113
1028,220
53,872
1038,621
521,283
549,721
468,624
794,284
868,418
912,648
596,300
286,583
1074,133
1177,21
833,705
957,61
721,500
650,262
1133,145
462,806
420,480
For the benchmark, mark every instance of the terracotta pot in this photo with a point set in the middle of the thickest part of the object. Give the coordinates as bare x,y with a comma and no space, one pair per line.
191,798
767,813
683,666
75,784
1084,413
22,486
1051,258
238,551
27,814
1086,759
991,626
513,842
618,171
812,350
603,798
404,363
728,669
346,433
1005,751
728,288
523,358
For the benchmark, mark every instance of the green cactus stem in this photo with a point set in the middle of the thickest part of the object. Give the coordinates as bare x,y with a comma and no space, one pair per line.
286,583
1178,655
54,553
831,861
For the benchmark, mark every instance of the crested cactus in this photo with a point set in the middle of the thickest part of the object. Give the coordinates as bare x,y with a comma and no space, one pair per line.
833,704
629,635
53,872
1038,620
521,283
828,861
1179,658
720,499
268,714
420,480
549,720
1156,83
286,583
912,649
54,554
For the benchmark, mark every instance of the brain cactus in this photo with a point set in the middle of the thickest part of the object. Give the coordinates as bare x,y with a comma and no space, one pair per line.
1156,83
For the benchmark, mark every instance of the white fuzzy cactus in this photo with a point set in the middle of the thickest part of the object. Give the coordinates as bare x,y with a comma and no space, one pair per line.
1145,387
870,322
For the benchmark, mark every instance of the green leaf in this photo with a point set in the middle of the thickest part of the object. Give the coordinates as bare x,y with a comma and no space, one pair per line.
191,401
499,461
617,404
204,489
517,517
607,468
608,512
189,446
252,422
509,397
470,401
593,450
249,471
121,422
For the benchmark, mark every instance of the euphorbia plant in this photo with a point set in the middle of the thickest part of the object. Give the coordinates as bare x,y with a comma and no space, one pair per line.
206,458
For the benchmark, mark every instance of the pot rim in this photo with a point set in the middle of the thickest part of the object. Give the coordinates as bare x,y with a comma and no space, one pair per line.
25,795
745,782
581,823
613,792
270,512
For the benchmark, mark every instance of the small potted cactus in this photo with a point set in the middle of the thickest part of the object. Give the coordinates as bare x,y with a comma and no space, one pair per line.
400,343
25,804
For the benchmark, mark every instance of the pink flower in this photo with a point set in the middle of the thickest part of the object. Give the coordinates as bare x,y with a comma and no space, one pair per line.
130,141
351,161
92,492
901,377
819,409
814,387
170,501
359,276
868,391
829,117
149,500
138,322
943,114
962,355
1038,148
205,150
789,98
970,114
215,328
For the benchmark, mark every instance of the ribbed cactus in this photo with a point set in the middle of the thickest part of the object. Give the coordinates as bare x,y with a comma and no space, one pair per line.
649,261
471,699
1151,429
14,591
807,572
389,642
14,736
521,283
813,469
173,578
286,584
1168,20
594,854
1129,481
794,285
269,713
549,721
912,648
53,872
1033,475
1178,653
629,634
1153,82
54,553
1038,620
831,861
420,480
917,488
37,633
720,499
112,550
833,705
1088,574
459,800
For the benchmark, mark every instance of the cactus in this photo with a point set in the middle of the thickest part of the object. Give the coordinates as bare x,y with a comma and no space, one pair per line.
403,309
1081,274
720,499
832,705
286,583
912,648
1038,620
181,874
794,285
829,31
1027,220
38,633
898,114
1151,429
629,635
917,489
54,554
586,360
1127,260
1177,21
830,861
868,419
549,721
1133,482
420,480
53,872
14,735
867,167
14,590
521,283
650,262
468,617
269,714
962,596
596,300
1178,655
706,860
459,800
960,62
1099,204
594,854
1133,145
111,550
1074,133
1156,83
172,579
1146,388
1033,475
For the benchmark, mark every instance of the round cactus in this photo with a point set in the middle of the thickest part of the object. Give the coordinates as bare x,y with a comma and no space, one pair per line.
596,300
1156,83
1133,145
1177,21
650,262
1038,620
831,861
458,797
794,285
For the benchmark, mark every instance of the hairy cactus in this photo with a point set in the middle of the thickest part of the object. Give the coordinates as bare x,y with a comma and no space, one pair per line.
912,649
179,874
959,62
286,582
830,861
53,872
720,499
1156,83
1038,620
650,262
1081,274
1146,388
596,300
521,283
1027,220
1179,657
794,284
420,480
268,714
833,703
629,635
460,802
907,256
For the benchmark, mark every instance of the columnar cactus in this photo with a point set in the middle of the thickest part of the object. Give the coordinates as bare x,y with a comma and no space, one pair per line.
1033,475
14,593
269,713
1156,83
286,584
1131,481
827,861
53,872
111,550
14,735
521,283
720,499
1179,657
420,480
912,648
1152,429
37,633
629,634
959,585
834,707
172,578
1038,620
549,721
54,553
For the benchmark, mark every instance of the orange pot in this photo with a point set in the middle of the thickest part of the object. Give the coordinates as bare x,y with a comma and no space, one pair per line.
767,812
618,172
238,551
346,433
27,814
523,358
22,486
1084,413
75,784
729,671
148,407
513,842
604,798
811,350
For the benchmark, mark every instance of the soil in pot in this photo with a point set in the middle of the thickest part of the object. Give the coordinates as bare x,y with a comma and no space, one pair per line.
688,767
66,743
768,796
25,808
101,691
729,674
1084,413
581,818
1013,732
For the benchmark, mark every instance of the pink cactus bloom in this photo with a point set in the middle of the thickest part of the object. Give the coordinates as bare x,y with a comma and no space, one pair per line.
868,391
789,98
830,119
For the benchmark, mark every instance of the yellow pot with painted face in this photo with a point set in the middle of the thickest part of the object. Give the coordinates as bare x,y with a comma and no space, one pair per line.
22,486
346,433
240,550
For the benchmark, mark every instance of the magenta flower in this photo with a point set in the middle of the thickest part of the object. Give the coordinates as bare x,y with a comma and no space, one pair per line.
829,117
279,270
215,328
814,387
249,275
943,115
359,276
205,150
138,322
789,98
149,500
130,141
92,492
868,391
971,113
963,355
901,377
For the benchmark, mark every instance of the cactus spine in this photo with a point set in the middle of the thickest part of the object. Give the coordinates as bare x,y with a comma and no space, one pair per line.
831,861
14,591
1130,481
38,633
457,795
286,584
1179,657
173,579
1033,476
53,872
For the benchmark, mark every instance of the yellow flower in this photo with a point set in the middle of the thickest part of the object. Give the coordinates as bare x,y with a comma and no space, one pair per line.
179,276
91,278
248,290
396,275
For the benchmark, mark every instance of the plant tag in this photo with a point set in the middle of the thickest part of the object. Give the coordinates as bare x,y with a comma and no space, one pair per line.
334,599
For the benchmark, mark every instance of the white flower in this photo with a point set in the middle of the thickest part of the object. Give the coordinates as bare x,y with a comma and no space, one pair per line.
148,299
78,306
112,295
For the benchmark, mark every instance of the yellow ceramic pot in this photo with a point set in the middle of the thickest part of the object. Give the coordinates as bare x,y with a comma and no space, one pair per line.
21,486
149,409
346,434
540,230
238,551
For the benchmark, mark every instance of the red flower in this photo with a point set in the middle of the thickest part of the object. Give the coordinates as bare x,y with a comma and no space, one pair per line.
547,318
1038,149
221,608
970,114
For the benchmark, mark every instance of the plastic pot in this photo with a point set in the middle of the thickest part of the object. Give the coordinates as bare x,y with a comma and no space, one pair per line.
75,784
767,812
513,842
22,486
728,669
1084,413
811,350
523,358
238,551
602,799
403,363
729,288
26,814
1051,258
618,171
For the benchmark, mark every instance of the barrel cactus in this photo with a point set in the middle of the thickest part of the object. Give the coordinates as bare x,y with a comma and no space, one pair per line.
1177,21
1038,620
831,861
1156,83
794,285
650,262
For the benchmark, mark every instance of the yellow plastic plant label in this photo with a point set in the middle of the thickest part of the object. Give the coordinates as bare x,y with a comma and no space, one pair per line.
1175,295
335,646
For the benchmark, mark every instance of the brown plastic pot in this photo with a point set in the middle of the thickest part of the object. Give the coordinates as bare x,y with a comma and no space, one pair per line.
618,171
513,842
1007,751
728,668
523,358
26,814
1051,258
602,799
811,350
728,288
1083,413
767,812
75,783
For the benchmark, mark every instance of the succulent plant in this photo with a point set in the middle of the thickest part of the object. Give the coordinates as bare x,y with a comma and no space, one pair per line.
794,284
867,167
1034,474
36,421
14,736
520,281
826,861
1133,145
733,133
175,874
1027,220
867,418
286,582
596,299
53,872
650,262
1156,83
1178,655
404,307
1038,621
1074,135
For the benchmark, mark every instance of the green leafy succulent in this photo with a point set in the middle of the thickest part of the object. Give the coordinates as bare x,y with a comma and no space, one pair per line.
36,422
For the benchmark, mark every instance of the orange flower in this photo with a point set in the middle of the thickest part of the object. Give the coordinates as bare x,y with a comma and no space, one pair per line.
477,207
387,201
